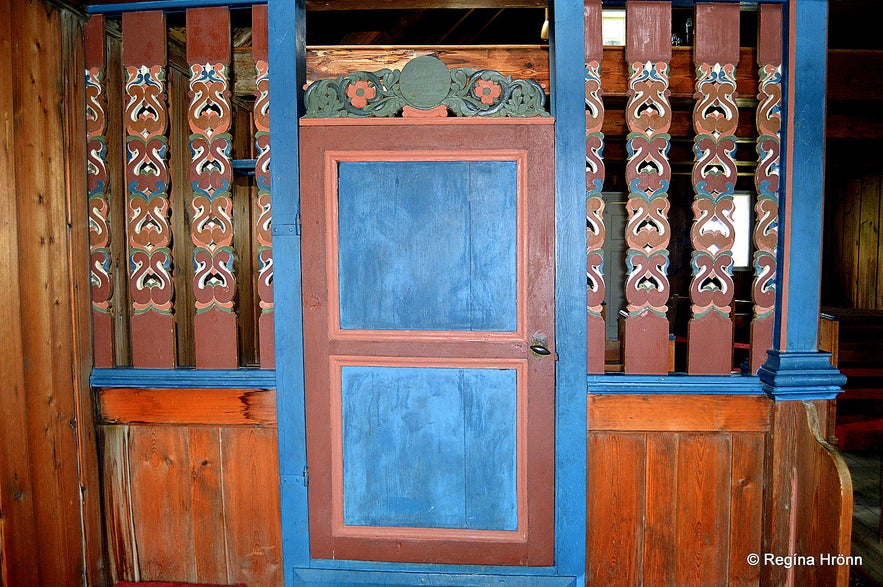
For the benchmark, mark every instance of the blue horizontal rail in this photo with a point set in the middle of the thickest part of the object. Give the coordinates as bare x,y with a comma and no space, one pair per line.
683,384
166,5
183,378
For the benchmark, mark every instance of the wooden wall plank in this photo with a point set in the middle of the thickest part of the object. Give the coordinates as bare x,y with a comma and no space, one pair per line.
216,407
162,503
868,243
251,495
703,511
614,531
19,536
122,553
663,479
746,503
208,513
695,413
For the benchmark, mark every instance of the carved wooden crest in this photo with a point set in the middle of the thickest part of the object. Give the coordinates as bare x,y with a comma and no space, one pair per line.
424,88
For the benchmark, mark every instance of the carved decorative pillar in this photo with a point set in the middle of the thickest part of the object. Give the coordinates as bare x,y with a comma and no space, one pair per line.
766,180
100,266
211,176
263,208
715,118
147,176
648,174
595,230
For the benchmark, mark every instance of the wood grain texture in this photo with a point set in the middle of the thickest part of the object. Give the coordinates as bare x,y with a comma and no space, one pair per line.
216,407
808,501
193,504
674,508
616,495
694,413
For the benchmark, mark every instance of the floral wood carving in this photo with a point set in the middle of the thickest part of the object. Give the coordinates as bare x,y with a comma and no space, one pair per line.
424,87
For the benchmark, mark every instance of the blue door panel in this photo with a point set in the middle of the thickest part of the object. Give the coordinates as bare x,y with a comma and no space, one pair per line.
429,447
427,245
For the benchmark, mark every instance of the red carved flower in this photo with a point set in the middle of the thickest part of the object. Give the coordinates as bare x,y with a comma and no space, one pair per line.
487,91
360,92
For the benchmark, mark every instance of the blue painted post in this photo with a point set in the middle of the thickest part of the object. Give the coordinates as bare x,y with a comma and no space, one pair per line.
287,66
568,106
795,369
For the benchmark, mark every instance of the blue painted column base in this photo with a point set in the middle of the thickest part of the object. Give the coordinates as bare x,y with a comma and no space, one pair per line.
800,375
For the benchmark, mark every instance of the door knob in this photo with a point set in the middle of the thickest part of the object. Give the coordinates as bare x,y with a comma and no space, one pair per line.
538,345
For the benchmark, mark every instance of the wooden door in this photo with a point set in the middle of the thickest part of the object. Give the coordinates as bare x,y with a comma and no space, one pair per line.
428,275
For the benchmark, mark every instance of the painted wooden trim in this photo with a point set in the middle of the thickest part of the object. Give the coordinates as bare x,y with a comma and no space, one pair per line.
676,384
286,58
448,577
183,378
695,413
648,31
196,406
423,122
567,67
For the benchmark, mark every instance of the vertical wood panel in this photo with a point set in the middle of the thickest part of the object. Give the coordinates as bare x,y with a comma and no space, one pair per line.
122,553
703,516
868,238
162,503
251,494
208,510
614,530
746,503
210,119
663,479
648,175
147,177
715,119
19,538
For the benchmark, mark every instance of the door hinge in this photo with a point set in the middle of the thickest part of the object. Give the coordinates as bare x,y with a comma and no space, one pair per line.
297,224
306,476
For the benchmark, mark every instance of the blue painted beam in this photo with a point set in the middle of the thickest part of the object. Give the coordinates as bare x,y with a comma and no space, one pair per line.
183,378
567,72
287,74
678,384
166,5
795,369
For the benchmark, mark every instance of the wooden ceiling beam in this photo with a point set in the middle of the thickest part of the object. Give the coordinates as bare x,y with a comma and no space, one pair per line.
420,4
